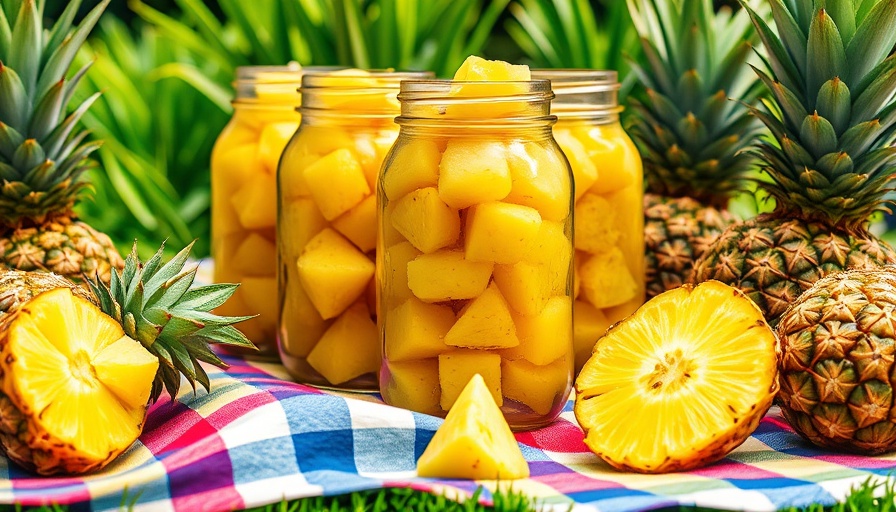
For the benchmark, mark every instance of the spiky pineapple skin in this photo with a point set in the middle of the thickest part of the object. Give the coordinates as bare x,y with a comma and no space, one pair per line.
837,368
17,287
774,261
677,232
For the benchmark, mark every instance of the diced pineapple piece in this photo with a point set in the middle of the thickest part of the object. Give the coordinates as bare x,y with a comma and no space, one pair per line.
526,286
291,176
606,280
359,224
350,347
478,70
322,140
367,155
413,385
333,272
596,230
544,337
305,222
237,132
301,326
425,220
500,232
256,256
474,442
540,180
614,155
415,165
274,137
584,172
484,323
237,165
552,248
416,330
537,386
260,294
337,183
472,172
457,367
395,265
447,275
590,324
256,202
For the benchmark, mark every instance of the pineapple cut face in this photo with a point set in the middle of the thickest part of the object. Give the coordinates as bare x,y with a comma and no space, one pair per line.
80,383
680,383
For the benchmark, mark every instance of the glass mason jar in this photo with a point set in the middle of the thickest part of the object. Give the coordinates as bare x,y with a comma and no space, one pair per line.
475,251
327,227
244,191
609,239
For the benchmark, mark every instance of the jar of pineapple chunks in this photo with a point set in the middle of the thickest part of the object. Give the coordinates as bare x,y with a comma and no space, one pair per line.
244,196
609,238
475,251
327,227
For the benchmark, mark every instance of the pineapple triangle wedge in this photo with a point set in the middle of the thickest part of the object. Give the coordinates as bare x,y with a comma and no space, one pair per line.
474,442
680,383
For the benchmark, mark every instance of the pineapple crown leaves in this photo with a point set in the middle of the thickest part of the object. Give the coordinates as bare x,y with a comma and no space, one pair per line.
831,109
688,130
157,305
42,152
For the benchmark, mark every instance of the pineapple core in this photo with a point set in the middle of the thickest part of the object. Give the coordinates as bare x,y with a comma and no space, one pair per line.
79,381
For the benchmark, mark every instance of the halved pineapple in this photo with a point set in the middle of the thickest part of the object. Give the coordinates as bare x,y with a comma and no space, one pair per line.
680,383
74,387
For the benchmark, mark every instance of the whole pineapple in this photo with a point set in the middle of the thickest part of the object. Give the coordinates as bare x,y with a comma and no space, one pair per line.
42,152
833,116
78,369
689,131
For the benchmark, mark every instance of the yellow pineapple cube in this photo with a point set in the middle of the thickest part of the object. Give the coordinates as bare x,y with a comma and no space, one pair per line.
614,155
596,229
540,180
536,386
237,165
359,224
552,248
475,442
260,294
447,275
301,326
484,323
472,172
366,153
546,336
415,166
333,272
395,266
416,330
478,71
413,385
321,140
304,220
590,324
337,183
427,222
526,286
291,175
500,232
256,256
584,172
457,367
349,349
274,137
606,280
256,202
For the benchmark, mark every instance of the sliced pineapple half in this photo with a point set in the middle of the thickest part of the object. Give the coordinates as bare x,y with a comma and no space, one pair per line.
74,387
680,383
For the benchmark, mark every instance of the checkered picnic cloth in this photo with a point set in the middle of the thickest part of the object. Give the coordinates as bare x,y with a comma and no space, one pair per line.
258,438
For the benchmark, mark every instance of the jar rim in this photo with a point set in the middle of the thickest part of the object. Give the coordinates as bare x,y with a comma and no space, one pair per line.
378,78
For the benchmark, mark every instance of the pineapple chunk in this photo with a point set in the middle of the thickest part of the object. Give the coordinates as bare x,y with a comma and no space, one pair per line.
337,183
415,166
614,155
425,220
237,165
472,172
606,280
349,349
359,224
457,367
305,222
321,140
536,386
553,249
478,70
301,326
256,202
485,322
121,367
260,294
590,324
366,153
447,275
474,442
333,272
413,385
500,232
546,337
596,230
395,267
540,180
256,256
584,173
416,330
274,138
526,286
